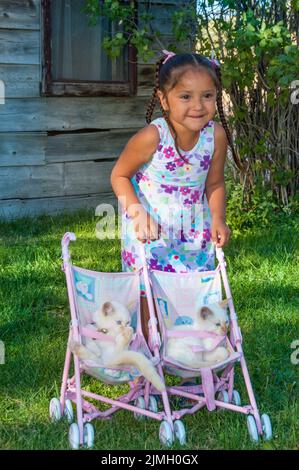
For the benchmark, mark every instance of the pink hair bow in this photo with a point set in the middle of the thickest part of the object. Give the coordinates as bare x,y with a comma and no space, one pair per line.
214,61
169,54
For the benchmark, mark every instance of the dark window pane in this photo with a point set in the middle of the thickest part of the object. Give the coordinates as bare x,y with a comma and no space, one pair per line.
76,47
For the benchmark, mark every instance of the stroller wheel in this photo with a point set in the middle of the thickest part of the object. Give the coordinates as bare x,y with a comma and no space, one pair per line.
88,432
153,405
68,411
55,410
236,399
158,399
180,432
74,436
139,403
183,402
252,429
267,427
166,434
223,396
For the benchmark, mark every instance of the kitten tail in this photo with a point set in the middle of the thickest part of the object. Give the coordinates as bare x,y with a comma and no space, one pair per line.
143,364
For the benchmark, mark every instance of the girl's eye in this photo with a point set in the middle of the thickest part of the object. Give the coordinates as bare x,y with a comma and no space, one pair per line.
209,95
128,323
185,96
217,324
118,322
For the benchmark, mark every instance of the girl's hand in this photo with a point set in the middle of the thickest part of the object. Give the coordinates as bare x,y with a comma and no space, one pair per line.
220,232
146,228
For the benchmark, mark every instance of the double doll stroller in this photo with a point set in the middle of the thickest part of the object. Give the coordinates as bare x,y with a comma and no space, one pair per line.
176,297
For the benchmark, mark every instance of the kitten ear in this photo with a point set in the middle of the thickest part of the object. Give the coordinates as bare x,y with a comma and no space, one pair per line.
223,303
205,312
107,308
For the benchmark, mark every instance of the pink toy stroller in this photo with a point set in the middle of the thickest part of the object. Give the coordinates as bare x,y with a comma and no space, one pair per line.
177,297
87,290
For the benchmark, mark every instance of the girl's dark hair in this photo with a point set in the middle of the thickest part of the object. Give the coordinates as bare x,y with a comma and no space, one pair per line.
168,75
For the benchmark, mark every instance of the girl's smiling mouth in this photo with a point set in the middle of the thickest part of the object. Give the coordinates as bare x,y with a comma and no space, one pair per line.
196,117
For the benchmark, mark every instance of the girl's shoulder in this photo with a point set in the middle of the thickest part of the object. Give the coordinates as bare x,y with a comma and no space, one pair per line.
145,140
219,134
161,126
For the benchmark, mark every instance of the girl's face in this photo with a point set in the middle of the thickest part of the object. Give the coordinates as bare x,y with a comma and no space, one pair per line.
192,102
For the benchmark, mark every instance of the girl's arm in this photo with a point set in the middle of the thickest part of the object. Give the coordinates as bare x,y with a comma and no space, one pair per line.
136,153
215,189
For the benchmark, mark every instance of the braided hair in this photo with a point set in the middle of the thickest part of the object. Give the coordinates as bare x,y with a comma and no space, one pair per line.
167,75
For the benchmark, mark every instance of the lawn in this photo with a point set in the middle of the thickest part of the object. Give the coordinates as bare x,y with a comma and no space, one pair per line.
263,274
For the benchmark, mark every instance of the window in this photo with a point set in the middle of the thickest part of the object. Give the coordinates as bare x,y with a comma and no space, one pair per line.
74,63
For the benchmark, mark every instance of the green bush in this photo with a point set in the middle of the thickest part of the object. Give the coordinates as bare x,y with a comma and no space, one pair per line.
259,208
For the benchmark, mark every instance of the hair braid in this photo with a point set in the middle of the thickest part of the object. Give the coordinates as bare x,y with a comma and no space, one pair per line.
152,103
223,121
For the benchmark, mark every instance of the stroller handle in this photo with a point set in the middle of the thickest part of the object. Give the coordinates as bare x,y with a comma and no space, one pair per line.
66,239
218,251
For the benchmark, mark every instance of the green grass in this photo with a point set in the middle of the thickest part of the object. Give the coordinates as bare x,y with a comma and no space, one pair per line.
263,274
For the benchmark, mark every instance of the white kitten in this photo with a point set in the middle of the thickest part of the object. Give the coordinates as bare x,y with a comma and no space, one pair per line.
211,318
113,319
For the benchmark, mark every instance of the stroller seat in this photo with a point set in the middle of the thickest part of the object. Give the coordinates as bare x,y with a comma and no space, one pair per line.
177,297
87,291
92,288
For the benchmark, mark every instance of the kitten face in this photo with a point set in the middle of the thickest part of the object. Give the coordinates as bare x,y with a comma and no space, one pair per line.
214,317
112,318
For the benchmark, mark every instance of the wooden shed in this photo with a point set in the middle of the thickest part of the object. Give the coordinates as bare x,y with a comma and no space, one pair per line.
67,110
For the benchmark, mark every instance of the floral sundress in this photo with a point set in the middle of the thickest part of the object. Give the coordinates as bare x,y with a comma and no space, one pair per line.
172,190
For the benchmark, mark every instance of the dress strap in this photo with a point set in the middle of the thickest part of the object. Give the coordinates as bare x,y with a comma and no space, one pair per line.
160,125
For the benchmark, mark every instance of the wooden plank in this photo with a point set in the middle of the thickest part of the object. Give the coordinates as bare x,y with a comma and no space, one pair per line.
162,17
18,149
20,14
57,179
146,79
59,114
174,3
32,181
87,178
90,89
15,208
32,148
21,80
87,146
19,47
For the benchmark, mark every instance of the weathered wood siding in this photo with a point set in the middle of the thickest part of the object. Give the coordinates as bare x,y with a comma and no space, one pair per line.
56,154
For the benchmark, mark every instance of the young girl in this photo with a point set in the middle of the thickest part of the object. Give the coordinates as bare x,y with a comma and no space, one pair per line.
170,176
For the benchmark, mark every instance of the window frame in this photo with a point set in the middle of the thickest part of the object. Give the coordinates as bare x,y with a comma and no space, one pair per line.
50,87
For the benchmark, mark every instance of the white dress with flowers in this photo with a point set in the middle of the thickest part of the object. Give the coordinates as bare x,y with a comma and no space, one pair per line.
172,190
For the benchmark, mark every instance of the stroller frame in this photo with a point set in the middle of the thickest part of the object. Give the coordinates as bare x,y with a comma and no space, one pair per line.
228,398
142,392
82,433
